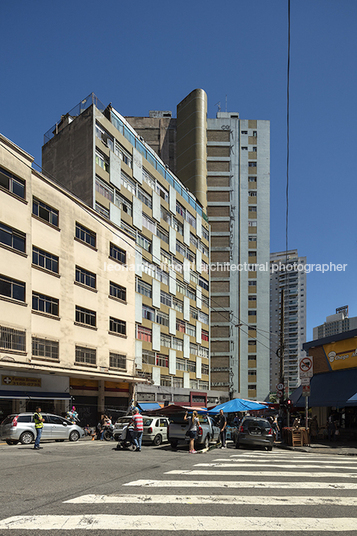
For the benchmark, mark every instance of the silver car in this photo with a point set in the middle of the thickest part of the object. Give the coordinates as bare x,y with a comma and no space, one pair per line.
20,427
155,428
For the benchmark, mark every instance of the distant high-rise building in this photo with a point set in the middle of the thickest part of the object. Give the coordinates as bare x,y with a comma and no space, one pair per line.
288,273
225,163
337,323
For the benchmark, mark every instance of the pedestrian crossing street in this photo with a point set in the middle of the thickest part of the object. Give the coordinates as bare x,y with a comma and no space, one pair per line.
234,492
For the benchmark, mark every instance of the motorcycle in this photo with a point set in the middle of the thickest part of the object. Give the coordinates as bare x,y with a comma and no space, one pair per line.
126,439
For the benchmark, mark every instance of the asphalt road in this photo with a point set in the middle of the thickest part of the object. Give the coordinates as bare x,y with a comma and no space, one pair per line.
68,488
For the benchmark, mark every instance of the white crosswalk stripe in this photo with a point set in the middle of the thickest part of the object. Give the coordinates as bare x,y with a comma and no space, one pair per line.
279,480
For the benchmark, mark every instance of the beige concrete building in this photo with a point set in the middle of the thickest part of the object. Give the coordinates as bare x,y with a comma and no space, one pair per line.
95,153
67,295
225,162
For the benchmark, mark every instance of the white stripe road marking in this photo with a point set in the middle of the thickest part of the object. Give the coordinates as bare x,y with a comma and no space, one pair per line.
235,484
234,463
260,473
275,459
214,499
177,523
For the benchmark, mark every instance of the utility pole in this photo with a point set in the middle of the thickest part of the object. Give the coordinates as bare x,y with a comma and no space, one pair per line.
280,352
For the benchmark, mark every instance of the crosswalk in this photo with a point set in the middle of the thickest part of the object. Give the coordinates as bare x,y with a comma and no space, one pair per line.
244,492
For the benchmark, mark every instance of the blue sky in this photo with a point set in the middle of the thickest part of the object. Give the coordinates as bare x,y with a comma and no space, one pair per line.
149,55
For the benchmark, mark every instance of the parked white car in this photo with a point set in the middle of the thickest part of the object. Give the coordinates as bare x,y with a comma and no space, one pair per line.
20,427
155,428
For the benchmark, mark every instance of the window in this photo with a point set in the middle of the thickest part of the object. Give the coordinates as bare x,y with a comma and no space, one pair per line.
117,291
191,330
255,134
162,192
123,203
165,215
102,210
162,234
45,348
86,355
194,312
143,334
181,287
205,336
85,277
144,197
203,283
11,183
148,357
104,189
181,364
193,349
12,237
128,183
205,233
45,304
143,242
143,288
191,293
11,288
45,260
254,149
148,313
252,298
12,339
162,276
102,161
165,340
191,219
86,316
177,225
252,193
202,317
161,360
177,305
205,301
252,253
149,224
45,212
165,257
244,148
85,235
104,136
252,179
252,164
180,326
180,248
194,240
177,344
165,381
123,154
180,209
162,318
117,326
117,254
203,352
165,298
252,313
252,223
252,209
149,179
205,369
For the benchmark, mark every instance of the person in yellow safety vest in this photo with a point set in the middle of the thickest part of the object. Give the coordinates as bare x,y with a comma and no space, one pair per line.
38,420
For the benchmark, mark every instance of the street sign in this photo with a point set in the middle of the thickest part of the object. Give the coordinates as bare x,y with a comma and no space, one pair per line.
280,386
279,393
306,390
306,369
305,381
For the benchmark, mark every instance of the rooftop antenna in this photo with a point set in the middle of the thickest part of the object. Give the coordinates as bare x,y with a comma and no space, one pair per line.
219,105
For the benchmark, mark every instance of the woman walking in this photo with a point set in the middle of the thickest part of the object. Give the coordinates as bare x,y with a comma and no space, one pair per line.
192,429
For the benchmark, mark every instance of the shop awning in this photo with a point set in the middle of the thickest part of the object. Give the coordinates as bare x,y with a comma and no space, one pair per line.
21,395
336,388
149,406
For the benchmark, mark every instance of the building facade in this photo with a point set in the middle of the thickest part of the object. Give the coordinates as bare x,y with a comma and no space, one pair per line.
225,162
337,323
287,272
95,153
67,322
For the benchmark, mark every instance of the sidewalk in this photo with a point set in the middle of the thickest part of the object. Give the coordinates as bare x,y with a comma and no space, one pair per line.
335,448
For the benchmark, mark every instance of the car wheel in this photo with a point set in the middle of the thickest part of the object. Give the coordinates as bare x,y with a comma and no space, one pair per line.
11,442
26,438
74,435
107,435
174,444
205,444
157,440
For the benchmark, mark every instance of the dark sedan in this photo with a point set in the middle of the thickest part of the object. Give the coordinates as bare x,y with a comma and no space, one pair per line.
255,432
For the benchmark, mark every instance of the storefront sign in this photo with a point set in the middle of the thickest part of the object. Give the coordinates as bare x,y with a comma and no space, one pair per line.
341,354
22,381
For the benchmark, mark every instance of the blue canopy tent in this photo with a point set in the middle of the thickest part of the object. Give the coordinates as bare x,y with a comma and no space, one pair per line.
238,404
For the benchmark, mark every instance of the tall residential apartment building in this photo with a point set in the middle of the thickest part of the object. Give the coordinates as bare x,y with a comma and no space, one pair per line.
95,153
67,325
225,162
337,323
288,273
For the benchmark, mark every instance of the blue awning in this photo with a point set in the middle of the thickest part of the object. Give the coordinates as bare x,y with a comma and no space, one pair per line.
336,389
32,395
149,406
